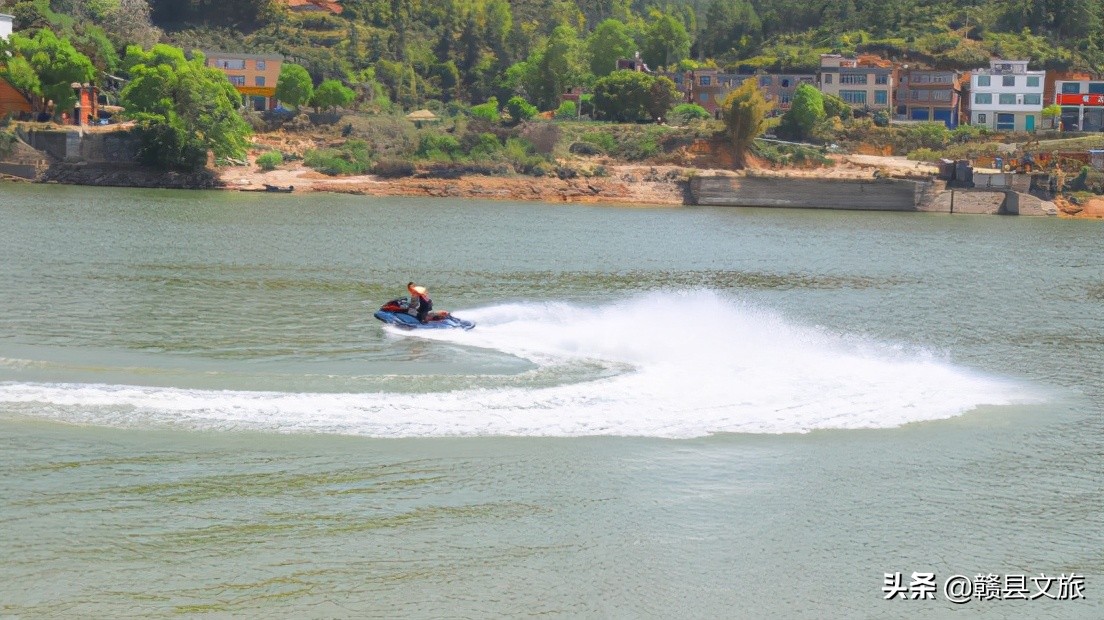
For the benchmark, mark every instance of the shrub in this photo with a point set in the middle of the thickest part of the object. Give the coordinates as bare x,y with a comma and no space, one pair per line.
486,146
584,148
270,160
924,154
686,112
393,168
487,111
520,109
567,111
438,147
602,139
353,157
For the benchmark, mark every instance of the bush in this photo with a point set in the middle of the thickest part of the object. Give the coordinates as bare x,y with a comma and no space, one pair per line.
353,157
438,147
584,148
601,139
7,143
925,154
394,168
270,160
520,109
487,111
683,113
567,111
881,118
486,146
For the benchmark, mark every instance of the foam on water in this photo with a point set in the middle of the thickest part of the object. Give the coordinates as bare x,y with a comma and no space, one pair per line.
684,364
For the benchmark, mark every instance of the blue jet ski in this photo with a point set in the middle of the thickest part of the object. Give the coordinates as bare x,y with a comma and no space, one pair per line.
395,313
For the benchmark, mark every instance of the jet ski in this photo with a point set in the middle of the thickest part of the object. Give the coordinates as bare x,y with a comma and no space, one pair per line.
395,313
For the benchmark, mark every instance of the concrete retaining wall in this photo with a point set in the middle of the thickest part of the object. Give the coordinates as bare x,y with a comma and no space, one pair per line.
76,145
861,194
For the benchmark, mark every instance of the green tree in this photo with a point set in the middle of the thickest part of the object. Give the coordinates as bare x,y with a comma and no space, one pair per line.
332,94
183,108
628,96
806,110
520,109
56,63
1053,112
610,41
836,107
487,111
662,94
730,26
666,41
294,86
745,118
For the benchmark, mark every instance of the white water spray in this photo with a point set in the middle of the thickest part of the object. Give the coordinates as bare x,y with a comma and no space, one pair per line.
681,365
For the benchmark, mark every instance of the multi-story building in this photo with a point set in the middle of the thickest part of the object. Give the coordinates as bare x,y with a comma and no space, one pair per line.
863,83
709,88
253,75
12,101
6,25
1082,104
1006,96
924,95
778,88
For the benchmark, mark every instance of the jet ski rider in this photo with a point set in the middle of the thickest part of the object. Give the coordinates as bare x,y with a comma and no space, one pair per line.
420,303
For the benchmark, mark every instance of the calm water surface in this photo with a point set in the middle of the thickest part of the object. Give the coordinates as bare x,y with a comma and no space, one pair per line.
692,412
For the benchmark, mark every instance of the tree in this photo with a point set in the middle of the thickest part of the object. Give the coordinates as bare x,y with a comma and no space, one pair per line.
294,86
332,94
662,94
610,41
1053,112
836,107
666,41
633,96
730,25
520,109
745,118
806,110
183,108
487,110
55,62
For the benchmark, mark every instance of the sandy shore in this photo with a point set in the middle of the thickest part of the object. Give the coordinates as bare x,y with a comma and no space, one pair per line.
625,184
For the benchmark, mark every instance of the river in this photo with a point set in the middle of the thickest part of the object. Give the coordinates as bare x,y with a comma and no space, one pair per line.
662,411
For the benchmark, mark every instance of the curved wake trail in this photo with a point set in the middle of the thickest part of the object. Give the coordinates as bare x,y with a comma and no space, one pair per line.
747,370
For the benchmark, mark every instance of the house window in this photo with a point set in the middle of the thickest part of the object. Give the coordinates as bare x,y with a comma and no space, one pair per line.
881,97
1007,99
1033,99
785,82
765,80
921,78
941,95
881,79
983,80
227,63
1096,88
983,98
1008,80
260,67
1006,122
981,119
1071,88
853,78
853,96
1033,81
705,80
827,78
260,80
918,95
941,78
237,80
785,99
704,97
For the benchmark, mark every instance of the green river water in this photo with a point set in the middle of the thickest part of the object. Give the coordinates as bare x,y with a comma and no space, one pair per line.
662,412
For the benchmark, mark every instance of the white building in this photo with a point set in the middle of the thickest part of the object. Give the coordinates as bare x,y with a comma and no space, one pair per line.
5,26
1006,96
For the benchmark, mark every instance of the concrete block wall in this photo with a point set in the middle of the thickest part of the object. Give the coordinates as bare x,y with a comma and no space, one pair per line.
858,194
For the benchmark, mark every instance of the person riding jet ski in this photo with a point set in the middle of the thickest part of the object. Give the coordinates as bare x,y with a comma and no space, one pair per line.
420,303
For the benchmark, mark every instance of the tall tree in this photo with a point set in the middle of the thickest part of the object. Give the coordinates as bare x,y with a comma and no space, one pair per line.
610,41
745,118
56,63
294,86
806,110
183,108
666,41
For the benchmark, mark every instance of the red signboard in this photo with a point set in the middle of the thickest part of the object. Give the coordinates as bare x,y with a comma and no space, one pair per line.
1064,99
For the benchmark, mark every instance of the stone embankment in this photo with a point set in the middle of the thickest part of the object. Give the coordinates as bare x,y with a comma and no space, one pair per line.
872,194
